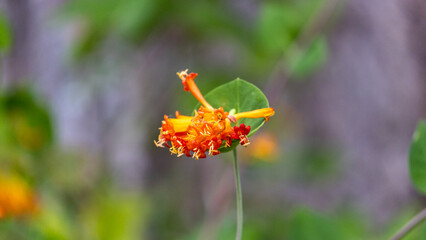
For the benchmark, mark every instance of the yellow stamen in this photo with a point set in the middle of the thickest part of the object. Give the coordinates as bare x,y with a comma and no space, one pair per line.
196,155
180,151
172,150
182,74
160,143
259,113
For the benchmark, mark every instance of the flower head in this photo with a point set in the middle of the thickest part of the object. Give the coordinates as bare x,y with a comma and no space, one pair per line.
209,128
16,197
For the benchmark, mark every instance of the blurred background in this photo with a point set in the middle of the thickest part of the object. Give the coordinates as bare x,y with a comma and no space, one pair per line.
85,84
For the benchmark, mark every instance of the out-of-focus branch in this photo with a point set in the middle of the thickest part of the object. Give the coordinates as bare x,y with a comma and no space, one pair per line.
416,220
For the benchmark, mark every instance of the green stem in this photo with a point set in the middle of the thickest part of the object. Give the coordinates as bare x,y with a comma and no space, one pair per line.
239,199
415,221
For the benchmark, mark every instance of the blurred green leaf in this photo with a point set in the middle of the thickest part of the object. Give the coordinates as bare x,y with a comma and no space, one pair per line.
417,158
240,96
88,42
53,221
27,119
4,127
5,34
135,19
208,19
131,19
18,229
280,23
92,12
274,27
95,20
115,216
309,225
301,224
304,61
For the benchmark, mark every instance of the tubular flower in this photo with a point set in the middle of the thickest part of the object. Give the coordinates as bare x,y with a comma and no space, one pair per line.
16,198
208,129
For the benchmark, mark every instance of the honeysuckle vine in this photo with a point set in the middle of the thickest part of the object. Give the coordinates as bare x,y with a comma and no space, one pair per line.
209,128
216,128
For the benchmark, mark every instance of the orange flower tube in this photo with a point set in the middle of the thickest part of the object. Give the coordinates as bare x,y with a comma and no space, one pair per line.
258,113
189,85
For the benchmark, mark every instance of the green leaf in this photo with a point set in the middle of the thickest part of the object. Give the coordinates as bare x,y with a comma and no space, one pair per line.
417,158
308,224
281,22
306,61
115,215
275,30
136,19
5,34
239,96
27,119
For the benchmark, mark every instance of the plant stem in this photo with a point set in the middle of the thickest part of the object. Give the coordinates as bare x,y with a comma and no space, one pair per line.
239,199
416,220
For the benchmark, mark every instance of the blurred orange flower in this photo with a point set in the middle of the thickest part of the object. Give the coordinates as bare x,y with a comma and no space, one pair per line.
265,147
16,197
208,129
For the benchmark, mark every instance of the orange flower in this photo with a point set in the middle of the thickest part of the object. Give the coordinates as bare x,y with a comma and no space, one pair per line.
16,197
207,130
265,147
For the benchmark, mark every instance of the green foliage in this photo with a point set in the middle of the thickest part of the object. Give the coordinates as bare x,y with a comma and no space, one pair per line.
280,23
132,20
304,61
417,158
26,120
115,216
74,199
309,225
53,222
19,229
273,35
239,96
204,20
5,34
25,132
137,18
300,224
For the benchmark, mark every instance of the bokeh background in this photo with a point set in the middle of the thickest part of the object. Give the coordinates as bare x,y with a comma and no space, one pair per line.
85,85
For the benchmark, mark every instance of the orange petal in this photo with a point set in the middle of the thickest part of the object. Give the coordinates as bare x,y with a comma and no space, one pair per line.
180,124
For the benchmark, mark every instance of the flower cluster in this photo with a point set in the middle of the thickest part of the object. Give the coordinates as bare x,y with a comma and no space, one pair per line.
207,130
